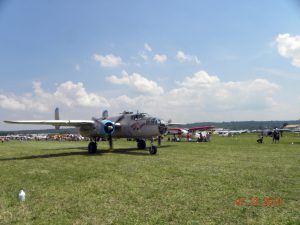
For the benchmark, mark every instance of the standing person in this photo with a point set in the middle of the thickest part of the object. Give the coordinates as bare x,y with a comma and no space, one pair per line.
276,135
188,137
208,135
201,137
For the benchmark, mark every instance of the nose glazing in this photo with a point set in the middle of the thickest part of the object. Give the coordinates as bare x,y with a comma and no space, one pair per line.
162,127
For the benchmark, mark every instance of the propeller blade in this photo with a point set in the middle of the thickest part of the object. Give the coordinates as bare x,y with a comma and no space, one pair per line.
110,141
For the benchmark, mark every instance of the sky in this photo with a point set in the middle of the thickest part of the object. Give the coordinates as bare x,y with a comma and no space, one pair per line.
189,61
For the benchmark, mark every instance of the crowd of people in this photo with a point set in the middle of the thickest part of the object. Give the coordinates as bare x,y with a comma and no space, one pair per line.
43,137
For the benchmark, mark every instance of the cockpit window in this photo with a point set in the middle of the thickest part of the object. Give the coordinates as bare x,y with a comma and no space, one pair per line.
152,121
139,116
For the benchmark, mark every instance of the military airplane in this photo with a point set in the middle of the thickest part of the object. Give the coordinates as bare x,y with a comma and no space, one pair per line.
139,126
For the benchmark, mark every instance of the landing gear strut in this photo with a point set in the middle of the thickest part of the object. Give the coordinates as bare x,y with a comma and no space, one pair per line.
141,144
159,141
92,147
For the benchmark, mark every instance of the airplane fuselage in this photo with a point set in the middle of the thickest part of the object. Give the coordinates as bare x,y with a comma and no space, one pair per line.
131,126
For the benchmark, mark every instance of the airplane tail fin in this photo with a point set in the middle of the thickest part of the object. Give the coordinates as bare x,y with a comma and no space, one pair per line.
105,114
56,117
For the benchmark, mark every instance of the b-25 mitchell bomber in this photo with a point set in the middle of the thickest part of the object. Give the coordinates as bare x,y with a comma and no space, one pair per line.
139,126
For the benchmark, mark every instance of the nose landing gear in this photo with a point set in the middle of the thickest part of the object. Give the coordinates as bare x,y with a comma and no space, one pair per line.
141,144
153,148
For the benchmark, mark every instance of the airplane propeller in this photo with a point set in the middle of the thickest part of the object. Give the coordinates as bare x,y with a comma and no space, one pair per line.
109,128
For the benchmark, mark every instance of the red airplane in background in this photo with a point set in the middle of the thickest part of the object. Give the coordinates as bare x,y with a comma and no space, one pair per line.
189,132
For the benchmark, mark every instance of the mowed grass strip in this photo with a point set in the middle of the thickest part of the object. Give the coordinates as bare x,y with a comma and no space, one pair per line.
185,183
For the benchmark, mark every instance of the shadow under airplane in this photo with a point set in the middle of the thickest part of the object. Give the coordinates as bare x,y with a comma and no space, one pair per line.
128,151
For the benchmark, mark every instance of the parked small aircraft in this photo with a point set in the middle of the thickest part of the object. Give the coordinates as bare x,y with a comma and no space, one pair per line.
200,132
178,131
139,126
229,133
189,132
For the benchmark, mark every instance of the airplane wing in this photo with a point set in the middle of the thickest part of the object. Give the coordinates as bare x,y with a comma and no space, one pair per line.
202,128
175,130
175,124
68,123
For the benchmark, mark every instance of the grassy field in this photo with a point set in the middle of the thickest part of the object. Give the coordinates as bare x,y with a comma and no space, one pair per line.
231,180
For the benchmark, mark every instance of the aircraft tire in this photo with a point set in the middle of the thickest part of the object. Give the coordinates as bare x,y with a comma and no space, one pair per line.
153,150
92,147
141,144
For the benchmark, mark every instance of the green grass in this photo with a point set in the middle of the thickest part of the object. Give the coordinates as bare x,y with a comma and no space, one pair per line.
185,183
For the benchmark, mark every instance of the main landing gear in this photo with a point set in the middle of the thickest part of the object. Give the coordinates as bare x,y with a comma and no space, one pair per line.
153,148
141,144
92,147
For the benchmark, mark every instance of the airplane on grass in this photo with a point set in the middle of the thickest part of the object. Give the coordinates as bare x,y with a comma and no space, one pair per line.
140,126
229,133
189,132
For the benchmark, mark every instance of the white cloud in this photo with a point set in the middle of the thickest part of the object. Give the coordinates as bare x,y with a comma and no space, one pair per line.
74,94
289,47
209,93
160,58
11,103
77,67
137,81
144,56
68,93
198,80
197,97
108,60
182,57
147,47
203,97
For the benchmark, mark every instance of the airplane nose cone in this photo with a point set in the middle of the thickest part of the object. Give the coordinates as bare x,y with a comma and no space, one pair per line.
162,127
108,127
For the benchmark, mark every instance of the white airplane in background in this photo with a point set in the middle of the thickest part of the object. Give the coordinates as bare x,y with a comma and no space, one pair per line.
229,133
140,126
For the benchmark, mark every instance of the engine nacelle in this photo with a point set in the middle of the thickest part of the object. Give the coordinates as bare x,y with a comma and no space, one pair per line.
106,127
